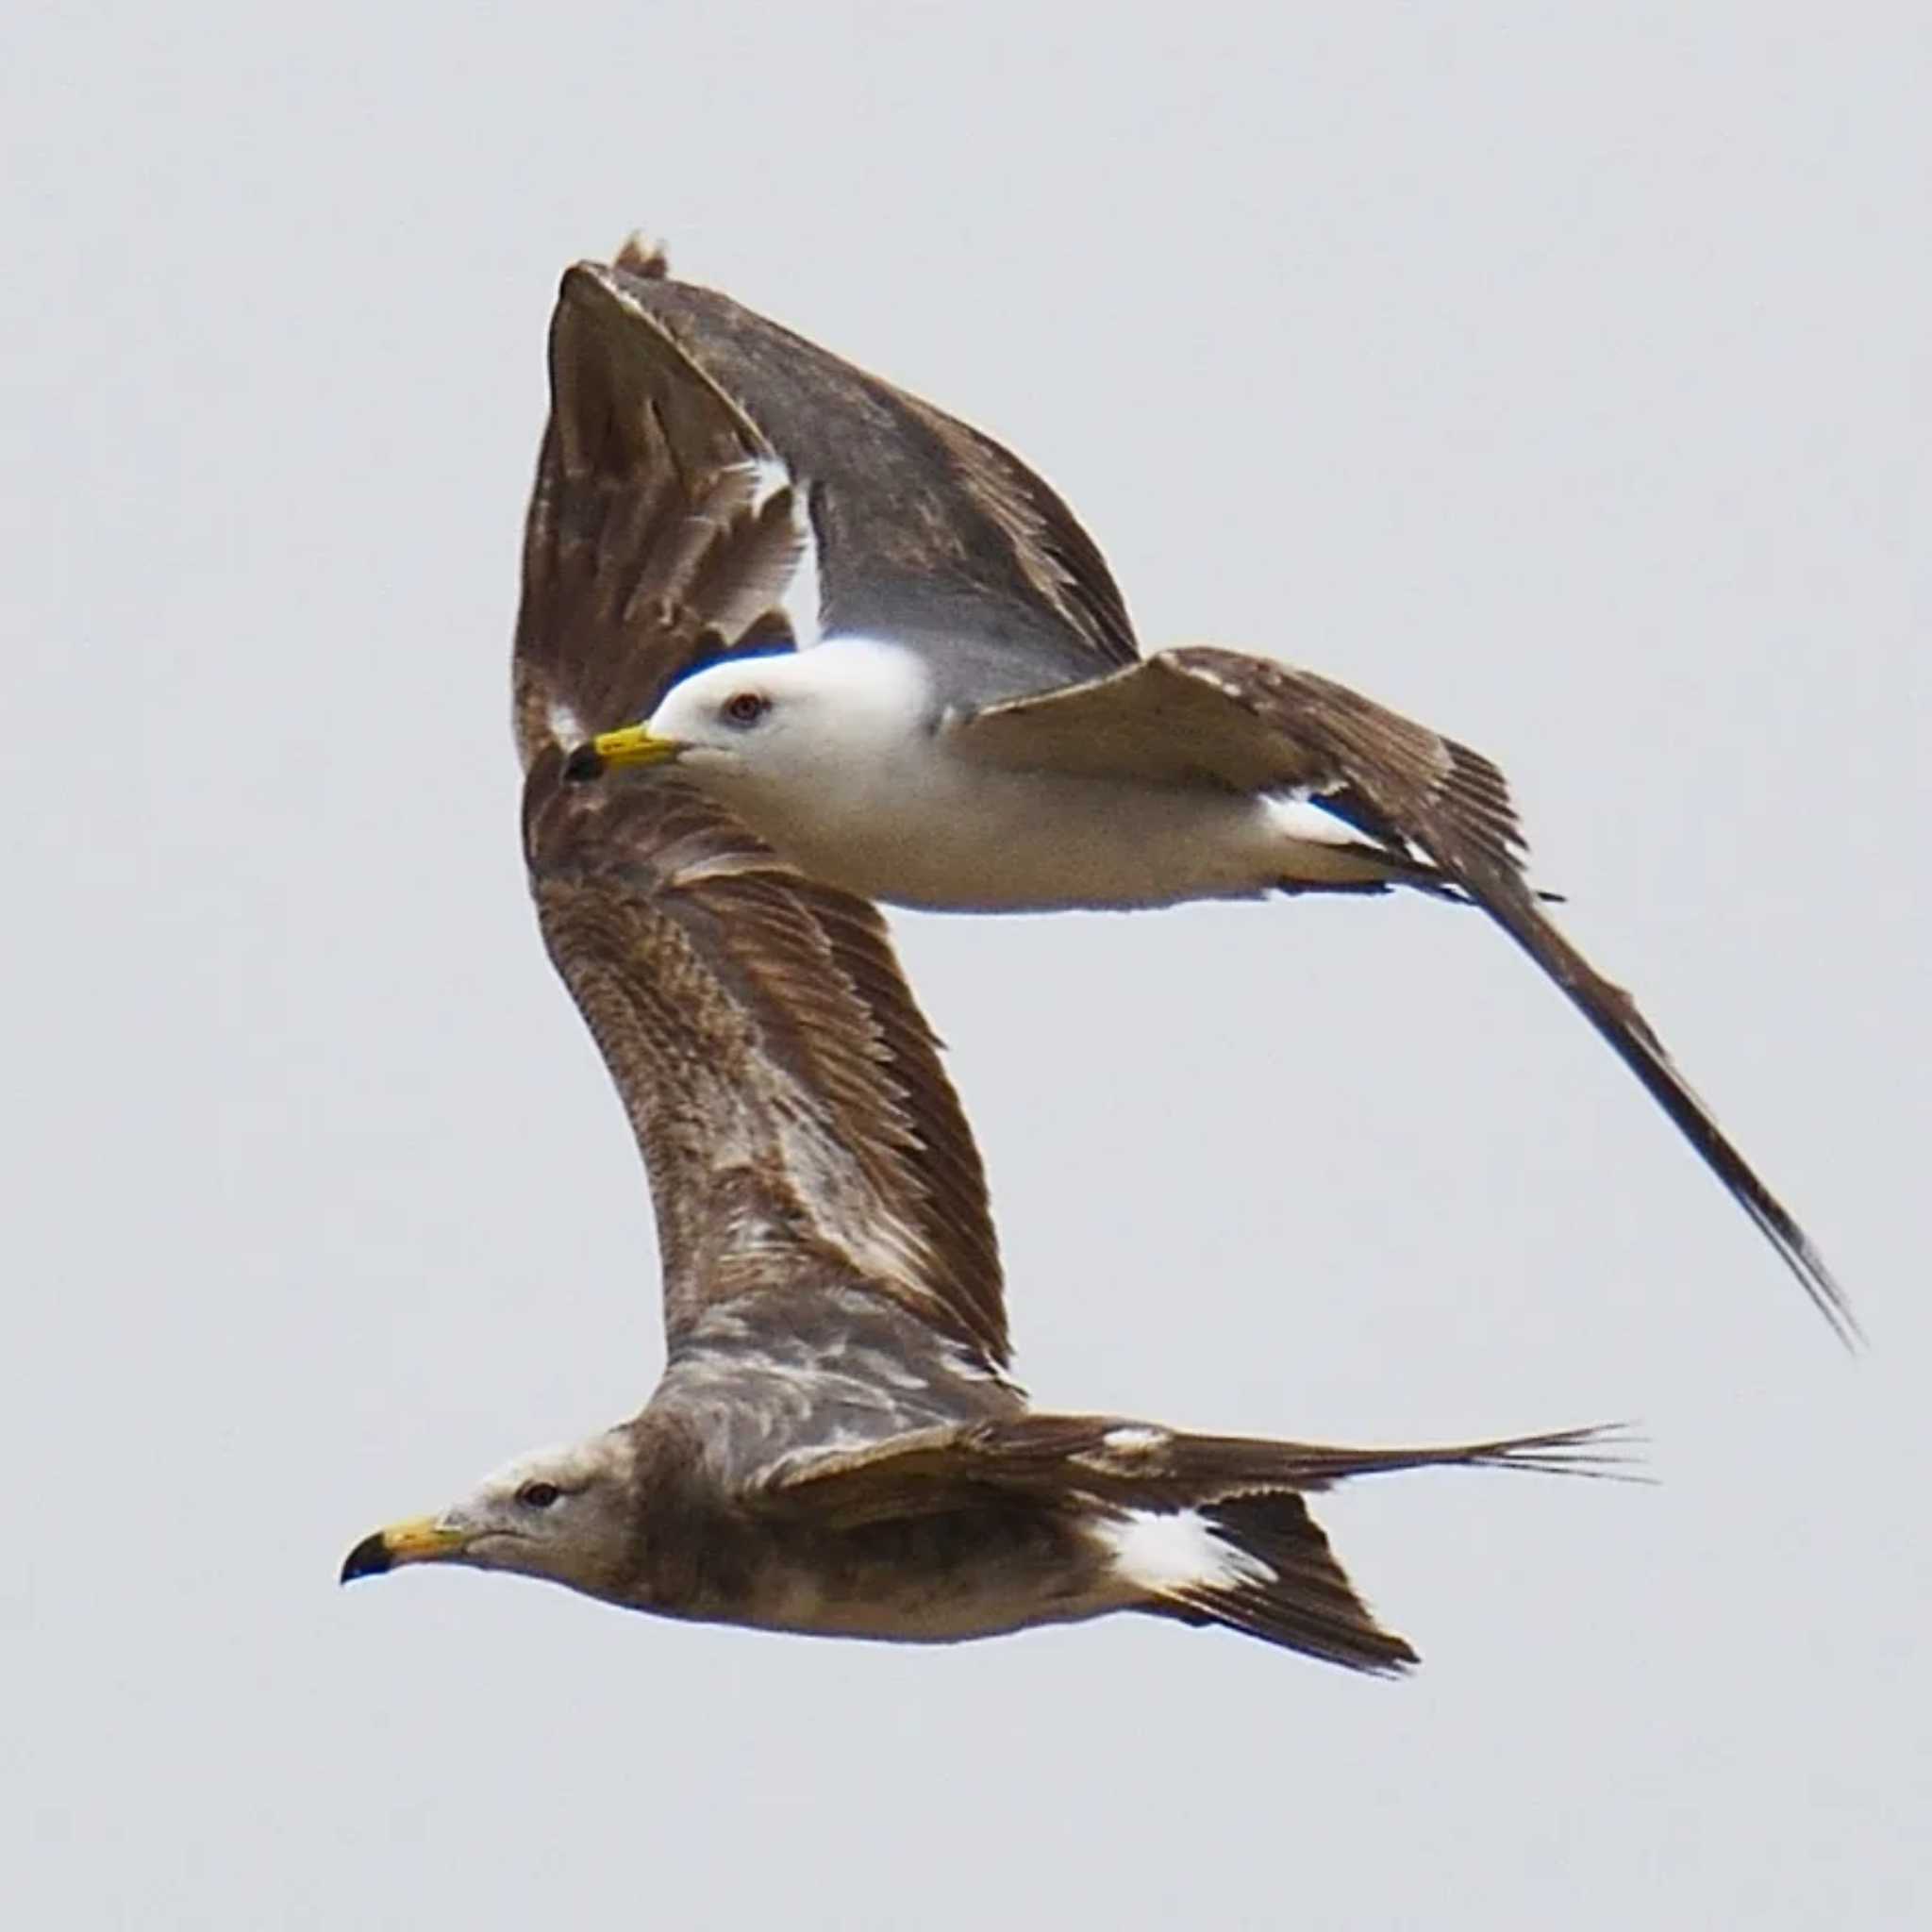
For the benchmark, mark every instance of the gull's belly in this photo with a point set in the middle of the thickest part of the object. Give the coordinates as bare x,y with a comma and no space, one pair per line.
947,835
939,1579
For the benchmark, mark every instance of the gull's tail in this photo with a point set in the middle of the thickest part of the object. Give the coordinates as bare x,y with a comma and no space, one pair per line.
1223,1534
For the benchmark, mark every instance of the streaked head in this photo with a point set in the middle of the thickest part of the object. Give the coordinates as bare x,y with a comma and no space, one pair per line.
780,725
565,1514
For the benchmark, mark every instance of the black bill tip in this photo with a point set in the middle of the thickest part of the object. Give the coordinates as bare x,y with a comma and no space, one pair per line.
369,1557
583,764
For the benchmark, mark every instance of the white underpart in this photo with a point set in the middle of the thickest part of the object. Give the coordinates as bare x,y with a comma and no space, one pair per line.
1162,1551
849,778
801,599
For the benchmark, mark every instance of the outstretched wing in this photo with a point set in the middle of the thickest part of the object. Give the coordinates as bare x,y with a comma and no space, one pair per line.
925,527
1105,1460
785,1090
1203,715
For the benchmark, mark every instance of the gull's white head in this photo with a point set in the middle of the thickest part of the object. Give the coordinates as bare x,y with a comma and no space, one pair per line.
767,732
566,1514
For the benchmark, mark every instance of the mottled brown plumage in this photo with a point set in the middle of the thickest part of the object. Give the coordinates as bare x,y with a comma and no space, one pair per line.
738,1004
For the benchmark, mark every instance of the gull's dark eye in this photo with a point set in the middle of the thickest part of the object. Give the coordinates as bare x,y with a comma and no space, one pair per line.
538,1495
747,708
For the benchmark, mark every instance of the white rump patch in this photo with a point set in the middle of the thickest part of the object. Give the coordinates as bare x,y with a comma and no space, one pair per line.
1318,849
1135,1436
1298,818
1161,1551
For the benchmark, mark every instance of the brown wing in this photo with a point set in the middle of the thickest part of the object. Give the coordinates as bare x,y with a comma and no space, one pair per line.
1253,725
785,1090
1103,1459
923,524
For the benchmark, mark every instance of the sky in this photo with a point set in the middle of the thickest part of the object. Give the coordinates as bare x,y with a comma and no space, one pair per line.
1556,375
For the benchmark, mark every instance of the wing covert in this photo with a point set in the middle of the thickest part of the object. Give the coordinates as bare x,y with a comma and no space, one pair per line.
923,523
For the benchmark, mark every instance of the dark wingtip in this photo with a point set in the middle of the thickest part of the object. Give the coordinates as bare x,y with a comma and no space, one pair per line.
369,1557
1821,1285
583,764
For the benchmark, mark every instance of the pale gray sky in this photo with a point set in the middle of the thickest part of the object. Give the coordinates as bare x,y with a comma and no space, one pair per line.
1545,372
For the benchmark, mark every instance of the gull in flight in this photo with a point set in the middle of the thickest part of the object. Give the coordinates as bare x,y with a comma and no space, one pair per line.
835,1446
943,705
